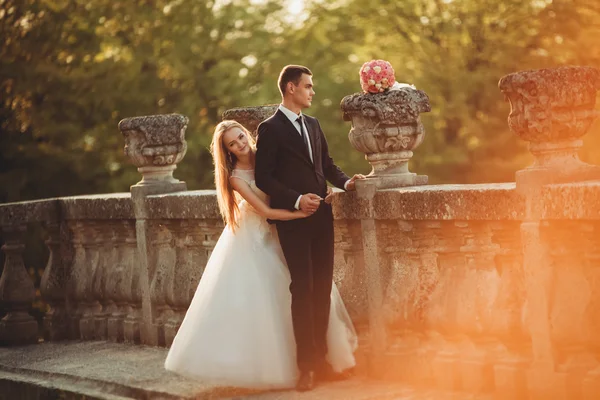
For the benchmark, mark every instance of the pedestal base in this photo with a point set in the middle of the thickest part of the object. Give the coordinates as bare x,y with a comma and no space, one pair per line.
19,330
131,331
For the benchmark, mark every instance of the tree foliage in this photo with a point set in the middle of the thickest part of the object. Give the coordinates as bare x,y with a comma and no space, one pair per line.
71,69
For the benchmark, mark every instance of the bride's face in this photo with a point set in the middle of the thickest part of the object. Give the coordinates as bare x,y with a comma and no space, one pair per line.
236,142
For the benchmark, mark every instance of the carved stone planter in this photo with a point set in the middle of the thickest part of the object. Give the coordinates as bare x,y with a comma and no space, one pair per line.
552,109
155,144
386,127
250,117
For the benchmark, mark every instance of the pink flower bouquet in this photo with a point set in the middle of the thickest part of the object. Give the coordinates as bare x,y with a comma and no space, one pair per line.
376,76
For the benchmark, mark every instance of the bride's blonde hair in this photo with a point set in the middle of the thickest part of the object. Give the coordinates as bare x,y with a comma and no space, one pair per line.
224,164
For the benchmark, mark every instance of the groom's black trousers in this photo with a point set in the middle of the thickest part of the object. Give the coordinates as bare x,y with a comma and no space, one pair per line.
307,245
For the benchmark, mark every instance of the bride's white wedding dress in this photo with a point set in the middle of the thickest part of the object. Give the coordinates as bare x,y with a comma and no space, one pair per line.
238,328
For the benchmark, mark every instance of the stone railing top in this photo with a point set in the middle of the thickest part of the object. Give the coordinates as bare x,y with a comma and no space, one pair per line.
99,206
196,204
577,201
47,210
485,202
392,107
437,202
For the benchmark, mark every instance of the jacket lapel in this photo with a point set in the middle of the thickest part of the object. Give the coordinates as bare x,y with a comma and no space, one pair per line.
293,134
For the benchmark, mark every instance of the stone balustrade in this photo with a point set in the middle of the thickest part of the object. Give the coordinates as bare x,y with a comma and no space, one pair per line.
453,302
489,288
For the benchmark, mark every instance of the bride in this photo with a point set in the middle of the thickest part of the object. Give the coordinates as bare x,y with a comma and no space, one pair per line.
238,329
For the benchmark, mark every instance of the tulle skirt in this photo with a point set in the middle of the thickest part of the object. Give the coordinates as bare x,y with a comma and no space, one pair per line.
238,329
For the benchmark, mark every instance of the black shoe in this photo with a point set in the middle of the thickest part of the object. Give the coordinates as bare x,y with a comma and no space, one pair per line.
306,381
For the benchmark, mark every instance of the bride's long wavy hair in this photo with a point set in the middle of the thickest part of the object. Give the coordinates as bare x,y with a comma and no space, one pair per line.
224,164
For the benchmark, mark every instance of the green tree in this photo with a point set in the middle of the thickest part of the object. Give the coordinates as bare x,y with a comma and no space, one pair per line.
72,69
456,51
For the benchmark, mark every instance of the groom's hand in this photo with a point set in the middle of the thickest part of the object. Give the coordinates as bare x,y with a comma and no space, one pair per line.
309,202
351,185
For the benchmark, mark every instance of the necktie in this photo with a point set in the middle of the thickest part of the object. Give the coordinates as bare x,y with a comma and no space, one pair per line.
304,135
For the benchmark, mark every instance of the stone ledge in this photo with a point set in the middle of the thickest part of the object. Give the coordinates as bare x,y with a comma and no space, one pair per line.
487,202
104,370
196,204
429,202
579,200
30,385
99,206
30,211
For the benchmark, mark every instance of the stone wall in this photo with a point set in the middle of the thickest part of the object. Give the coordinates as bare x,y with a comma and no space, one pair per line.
490,288
453,289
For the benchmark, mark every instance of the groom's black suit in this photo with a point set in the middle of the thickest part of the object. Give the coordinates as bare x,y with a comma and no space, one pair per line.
285,171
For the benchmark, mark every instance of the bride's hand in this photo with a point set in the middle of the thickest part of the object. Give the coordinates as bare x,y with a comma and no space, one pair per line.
302,214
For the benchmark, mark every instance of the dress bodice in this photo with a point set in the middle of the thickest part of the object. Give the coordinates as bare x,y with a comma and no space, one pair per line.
247,175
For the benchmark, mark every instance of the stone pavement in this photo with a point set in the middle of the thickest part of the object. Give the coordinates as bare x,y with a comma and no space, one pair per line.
106,370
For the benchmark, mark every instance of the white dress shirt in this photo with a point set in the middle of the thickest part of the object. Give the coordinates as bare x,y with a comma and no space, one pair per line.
293,117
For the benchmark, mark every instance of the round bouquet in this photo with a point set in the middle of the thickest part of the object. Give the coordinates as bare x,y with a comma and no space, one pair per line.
376,76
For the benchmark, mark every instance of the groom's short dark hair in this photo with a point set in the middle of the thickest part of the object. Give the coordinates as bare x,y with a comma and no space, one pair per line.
291,73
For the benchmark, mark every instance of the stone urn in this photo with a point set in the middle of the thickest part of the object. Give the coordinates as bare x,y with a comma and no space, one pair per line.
250,117
552,109
386,127
155,144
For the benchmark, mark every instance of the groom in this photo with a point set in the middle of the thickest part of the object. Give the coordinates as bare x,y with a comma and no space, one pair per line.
292,167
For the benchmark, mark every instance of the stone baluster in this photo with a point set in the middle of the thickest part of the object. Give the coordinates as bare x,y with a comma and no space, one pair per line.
178,286
118,283
78,278
16,290
591,233
164,258
397,273
508,312
414,273
424,280
349,270
130,286
424,241
212,230
103,272
552,109
54,284
199,258
412,278
350,276
570,298
93,261
443,329
398,270
479,290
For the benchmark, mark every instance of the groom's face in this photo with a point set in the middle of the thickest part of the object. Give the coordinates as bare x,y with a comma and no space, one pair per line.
303,93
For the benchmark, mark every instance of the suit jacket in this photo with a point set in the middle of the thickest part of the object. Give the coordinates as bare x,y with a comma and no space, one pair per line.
283,168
